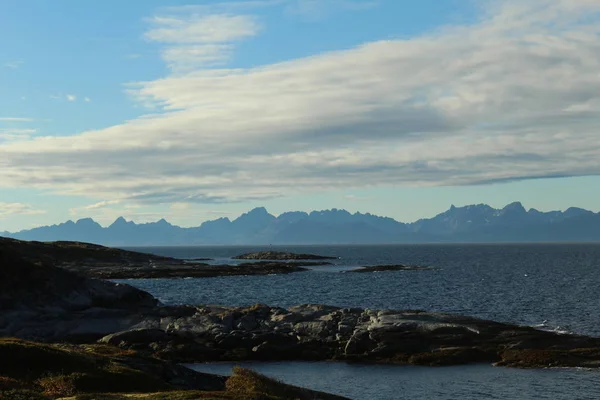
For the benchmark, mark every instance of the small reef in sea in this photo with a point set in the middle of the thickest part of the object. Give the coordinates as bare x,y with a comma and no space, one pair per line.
384,268
278,255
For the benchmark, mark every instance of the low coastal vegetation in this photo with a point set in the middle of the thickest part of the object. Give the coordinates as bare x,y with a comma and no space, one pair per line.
30,370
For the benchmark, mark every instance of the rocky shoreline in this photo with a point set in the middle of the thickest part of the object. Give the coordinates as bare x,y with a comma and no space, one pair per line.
101,262
196,270
50,320
39,371
51,304
325,333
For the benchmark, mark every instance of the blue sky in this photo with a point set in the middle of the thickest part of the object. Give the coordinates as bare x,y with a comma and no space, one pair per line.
192,110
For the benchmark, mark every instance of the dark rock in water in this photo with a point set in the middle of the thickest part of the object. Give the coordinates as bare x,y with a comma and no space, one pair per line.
381,268
277,255
198,270
318,333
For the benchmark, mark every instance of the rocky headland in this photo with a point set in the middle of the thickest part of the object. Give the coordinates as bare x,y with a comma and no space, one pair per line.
50,304
101,262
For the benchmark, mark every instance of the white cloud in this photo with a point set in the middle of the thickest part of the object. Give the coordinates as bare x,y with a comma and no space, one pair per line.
202,28
513,96
186,58
67,97
10,209
16,134
199,39
15,119
14,64
101,204
87,99
354,197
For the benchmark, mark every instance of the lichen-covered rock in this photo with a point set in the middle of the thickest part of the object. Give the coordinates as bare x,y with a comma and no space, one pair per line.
317,332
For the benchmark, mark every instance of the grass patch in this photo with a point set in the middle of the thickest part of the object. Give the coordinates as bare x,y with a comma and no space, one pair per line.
37,371
62,371
249,384
185,395
22,395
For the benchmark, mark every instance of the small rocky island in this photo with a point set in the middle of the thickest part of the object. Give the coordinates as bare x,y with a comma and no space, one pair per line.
277,255
196,271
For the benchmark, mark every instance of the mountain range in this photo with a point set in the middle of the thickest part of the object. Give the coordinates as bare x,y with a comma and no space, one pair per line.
470,224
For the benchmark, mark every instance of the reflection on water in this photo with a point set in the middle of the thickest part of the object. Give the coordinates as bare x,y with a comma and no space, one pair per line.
384,382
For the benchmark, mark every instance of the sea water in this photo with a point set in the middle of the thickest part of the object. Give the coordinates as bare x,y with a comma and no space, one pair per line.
553,287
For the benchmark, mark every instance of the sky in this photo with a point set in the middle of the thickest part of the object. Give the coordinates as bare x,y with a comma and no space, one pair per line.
195,110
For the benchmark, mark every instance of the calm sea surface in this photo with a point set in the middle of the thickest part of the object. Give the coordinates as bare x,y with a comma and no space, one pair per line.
554,287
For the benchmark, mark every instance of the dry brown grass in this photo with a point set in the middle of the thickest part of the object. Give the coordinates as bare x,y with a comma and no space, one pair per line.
108,350
37,371
7,383
58,385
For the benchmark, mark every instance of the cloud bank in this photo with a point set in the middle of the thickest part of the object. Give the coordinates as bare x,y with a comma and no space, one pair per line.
8,209
514,96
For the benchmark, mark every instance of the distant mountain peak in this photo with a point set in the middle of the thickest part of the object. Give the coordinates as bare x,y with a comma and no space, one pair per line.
516,206
258,210
87,222
469,223
121,221
253,221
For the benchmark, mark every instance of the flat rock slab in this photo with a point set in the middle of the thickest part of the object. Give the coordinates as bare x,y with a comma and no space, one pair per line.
322,333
